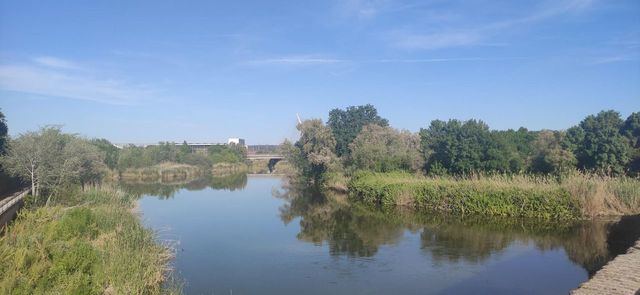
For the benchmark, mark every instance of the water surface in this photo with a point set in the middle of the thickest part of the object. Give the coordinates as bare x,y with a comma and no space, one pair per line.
256,235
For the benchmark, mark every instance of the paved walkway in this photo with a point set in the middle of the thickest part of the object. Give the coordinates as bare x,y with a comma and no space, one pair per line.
619,276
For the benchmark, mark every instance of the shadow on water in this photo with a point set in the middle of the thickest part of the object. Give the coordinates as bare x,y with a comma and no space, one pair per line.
164,190
359,231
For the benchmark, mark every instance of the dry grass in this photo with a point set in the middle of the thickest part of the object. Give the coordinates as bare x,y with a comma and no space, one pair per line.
578,195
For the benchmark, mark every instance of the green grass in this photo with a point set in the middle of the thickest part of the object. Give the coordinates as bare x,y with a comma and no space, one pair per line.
97,247
574,197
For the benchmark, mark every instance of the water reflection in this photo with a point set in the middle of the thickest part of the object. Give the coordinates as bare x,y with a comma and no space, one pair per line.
167,190
358,231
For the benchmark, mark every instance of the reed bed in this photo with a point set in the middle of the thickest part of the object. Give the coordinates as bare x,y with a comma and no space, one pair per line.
570,197
97,246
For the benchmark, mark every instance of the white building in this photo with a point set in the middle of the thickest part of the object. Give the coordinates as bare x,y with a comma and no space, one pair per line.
236,141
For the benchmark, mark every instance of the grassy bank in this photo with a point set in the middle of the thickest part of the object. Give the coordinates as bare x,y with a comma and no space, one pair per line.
165,172
576,196
96,247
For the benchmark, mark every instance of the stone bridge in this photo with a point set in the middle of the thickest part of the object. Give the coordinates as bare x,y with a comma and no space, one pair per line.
272,158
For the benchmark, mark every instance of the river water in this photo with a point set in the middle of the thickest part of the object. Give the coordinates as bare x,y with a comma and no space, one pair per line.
256,235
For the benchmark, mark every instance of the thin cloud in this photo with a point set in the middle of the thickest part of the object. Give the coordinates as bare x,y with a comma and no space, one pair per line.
315,61
51,80
613,59
477,35
304,60
57,63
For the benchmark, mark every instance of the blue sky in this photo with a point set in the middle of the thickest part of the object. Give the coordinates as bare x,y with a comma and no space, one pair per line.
145,71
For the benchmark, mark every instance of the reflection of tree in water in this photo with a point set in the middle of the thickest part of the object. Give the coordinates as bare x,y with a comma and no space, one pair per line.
230,182
355,230
168,190
328,217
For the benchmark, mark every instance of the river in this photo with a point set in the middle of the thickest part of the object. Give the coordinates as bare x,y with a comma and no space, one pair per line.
256,235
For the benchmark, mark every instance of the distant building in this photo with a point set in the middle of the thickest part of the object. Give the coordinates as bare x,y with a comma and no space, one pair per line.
236,141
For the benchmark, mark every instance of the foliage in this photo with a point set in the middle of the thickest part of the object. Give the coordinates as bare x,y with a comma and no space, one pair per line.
3,133
111,152
346,125
631,130
226,154
97,247
313,154
463,147
598,144
483,196
384,149
166,152
549,155
50,160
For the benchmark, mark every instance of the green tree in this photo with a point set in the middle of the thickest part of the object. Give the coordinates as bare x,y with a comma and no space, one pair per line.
3,133
313,154
461,147
225,154
515,146
549,154
49,159
598,144
110,151
346,124
384,149
631,130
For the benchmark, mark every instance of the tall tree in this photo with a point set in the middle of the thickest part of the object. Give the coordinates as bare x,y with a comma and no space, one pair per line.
385,149
461,147
631,130
346,124
313,154
3,134
49,159
549,154
110,151
598,144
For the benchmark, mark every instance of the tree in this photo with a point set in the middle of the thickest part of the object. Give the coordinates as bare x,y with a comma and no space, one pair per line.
515,146
631,130
313,154
49,159
346,124
384,149
549,154
225,154
110,151
3,134
598,144
461,147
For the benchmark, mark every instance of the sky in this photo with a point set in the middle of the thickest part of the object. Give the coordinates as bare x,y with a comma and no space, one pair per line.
203,71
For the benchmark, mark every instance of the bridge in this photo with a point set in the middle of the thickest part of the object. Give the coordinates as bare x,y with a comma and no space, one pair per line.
272,158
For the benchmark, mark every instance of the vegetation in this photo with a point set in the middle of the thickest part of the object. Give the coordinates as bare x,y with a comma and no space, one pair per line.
347,124
76,240
3,133
51,161
227,154
314,153
575,196
96,246
384,149
551,174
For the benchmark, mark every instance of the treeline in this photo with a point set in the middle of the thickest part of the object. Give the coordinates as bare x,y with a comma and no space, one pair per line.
54,163
141,157
357,138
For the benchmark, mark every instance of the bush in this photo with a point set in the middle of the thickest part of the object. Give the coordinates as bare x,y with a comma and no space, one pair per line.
497,196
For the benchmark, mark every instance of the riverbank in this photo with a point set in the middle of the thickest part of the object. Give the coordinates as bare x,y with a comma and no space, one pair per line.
165,172
577,196
98,246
